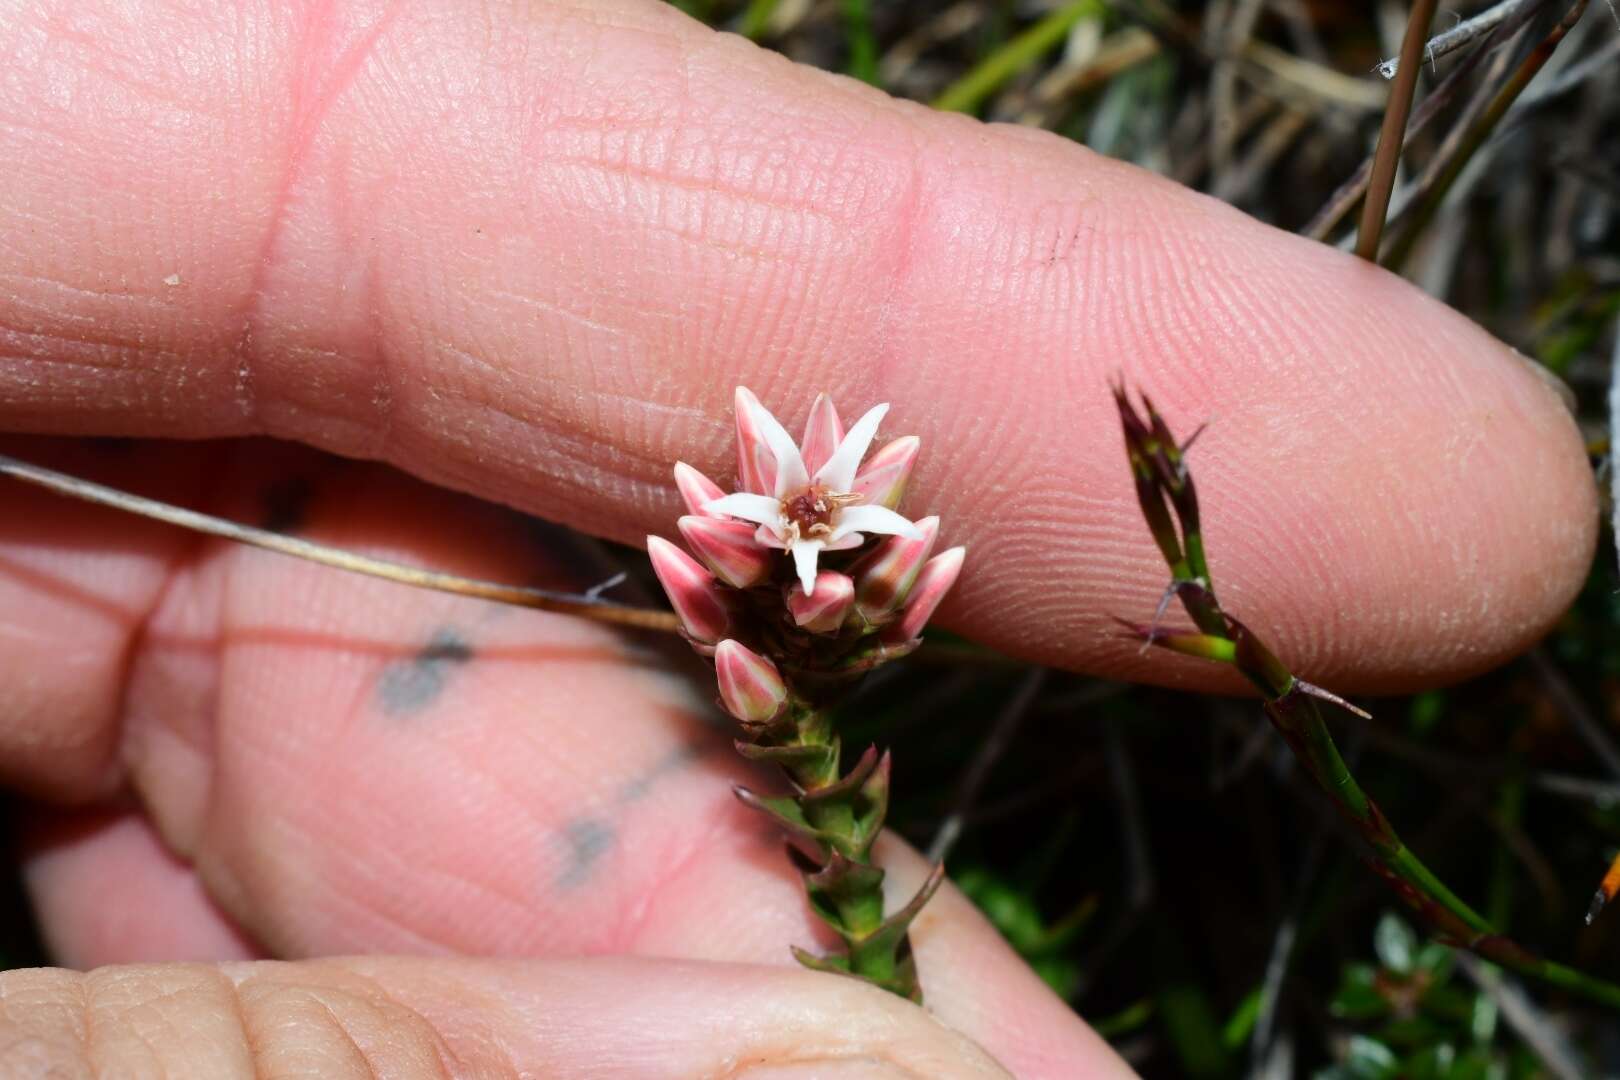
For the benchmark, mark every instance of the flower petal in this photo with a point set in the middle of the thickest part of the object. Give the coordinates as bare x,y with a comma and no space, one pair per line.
771,536
873,519
760,509
822,433
839,471
695,488
804,562
790,471
756,469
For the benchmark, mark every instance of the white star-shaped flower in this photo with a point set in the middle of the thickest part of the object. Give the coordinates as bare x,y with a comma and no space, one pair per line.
806,502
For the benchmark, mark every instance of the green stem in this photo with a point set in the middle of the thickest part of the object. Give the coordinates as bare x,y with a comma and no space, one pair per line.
1293,709
1307,732
844,813
985,78
863,58
1298,717
756,19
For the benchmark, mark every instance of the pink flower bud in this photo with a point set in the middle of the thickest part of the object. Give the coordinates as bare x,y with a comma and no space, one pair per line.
693,592
728,548
823,611
695,488
932,584
882,480
750,686
886,575
756,465
822,434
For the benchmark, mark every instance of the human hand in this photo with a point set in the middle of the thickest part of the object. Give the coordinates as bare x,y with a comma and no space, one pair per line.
526,251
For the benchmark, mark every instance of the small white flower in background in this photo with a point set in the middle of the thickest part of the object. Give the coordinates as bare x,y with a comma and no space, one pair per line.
806,501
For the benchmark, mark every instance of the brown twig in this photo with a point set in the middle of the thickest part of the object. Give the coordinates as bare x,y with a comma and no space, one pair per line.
1343,200
1430,189
1449,41
1392,136
586,607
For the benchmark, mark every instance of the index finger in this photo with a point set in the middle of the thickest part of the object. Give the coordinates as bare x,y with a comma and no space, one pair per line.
532,264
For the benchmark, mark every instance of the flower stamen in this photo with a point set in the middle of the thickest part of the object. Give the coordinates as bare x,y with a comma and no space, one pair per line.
813,511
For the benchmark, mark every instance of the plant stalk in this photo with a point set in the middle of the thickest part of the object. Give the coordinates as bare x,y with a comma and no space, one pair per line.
1392,135
832,821
1293,707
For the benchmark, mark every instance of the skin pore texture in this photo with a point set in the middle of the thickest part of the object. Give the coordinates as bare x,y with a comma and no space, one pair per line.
525,251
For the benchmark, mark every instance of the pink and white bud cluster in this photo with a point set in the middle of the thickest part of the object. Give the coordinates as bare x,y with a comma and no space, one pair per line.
812,497
816,503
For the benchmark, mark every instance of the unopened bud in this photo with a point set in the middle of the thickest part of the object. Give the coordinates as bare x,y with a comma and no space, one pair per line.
933,583
728,548
882,480
885,576
823,611
751,688
692,591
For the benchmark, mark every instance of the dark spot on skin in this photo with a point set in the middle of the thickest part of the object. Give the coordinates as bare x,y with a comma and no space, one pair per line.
677,758
286,505
584,841
409,686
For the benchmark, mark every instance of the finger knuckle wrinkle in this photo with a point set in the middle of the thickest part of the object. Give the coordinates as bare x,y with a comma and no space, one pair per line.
320,1020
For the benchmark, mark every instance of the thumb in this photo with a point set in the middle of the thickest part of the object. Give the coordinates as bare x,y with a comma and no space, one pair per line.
406,1018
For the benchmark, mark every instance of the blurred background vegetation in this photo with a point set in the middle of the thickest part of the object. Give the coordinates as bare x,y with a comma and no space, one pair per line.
1159,857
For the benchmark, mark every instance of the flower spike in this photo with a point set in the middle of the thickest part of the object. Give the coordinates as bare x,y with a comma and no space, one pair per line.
809,578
